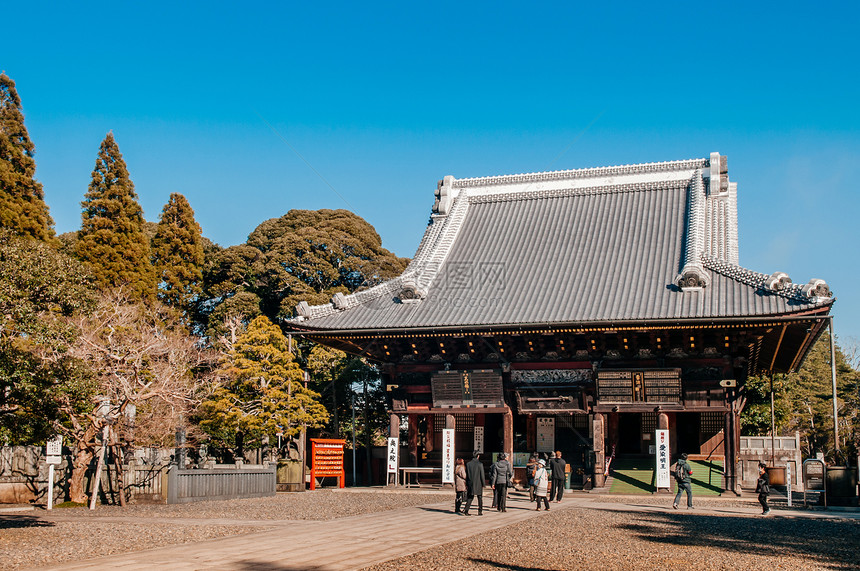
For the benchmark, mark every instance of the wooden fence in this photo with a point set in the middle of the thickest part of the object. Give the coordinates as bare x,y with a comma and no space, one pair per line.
185,486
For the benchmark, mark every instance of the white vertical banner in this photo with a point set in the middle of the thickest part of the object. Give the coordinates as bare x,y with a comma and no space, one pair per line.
393,450
788,482
479,440
662,455
448,456
546,434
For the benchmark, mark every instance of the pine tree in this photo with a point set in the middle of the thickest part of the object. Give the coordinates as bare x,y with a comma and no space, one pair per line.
112,237
22,202
177,254
263,394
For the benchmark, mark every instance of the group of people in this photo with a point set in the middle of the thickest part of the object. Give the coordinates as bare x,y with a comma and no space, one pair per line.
547,482
544,481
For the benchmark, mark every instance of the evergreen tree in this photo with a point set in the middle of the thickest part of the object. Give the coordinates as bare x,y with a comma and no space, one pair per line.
112,237
263,393
177,254
22,202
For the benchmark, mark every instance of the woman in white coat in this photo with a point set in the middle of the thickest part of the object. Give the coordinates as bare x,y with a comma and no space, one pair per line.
541,485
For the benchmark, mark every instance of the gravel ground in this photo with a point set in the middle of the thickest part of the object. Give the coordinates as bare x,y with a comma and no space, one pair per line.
583,538
317,505
29,539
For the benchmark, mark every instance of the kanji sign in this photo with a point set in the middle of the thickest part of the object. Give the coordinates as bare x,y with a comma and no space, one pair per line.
662,455
448,456
479,439
393,448
545,433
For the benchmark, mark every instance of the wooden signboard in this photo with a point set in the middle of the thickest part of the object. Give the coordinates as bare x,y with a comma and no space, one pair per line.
327,460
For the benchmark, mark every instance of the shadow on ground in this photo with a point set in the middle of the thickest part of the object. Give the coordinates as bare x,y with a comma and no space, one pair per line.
21,521
835,543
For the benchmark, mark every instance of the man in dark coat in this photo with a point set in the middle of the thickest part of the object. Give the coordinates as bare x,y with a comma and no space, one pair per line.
475,482
557,472
500,474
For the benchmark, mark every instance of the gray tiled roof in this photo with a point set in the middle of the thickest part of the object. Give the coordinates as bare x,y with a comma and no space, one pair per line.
594,245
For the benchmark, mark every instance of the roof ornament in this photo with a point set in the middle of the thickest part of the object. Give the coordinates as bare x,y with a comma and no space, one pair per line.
411,292
444,196
303,309
339,301
692,277
718,180
816,290
777,281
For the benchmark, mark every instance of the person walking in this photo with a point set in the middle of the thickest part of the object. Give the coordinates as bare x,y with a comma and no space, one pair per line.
557,470
531,468
501,474
475,482
541,484
762,487
459,484
683,471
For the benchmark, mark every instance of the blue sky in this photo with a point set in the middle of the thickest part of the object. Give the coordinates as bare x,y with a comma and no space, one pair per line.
383,100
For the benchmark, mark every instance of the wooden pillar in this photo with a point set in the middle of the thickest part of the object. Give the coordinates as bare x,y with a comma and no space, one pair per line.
612,431
412,438
531,432
430,435
394,426
673,435
732,482
598,430
508,435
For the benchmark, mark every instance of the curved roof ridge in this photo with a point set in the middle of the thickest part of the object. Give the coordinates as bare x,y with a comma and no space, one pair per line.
687,164
753,278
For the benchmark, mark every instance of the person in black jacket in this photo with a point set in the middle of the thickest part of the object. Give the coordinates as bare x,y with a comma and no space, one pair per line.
500,475
475,482
762,487
557,469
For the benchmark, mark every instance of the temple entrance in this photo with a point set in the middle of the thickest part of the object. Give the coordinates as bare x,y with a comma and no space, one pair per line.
629,433
687,432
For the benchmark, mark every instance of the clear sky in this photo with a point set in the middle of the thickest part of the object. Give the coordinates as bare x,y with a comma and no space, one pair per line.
217,100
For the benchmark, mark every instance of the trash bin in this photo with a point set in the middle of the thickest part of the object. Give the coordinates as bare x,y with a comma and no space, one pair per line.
289,477
841,486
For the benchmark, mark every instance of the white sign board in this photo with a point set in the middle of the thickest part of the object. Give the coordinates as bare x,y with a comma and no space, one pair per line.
54,450
393,449
448,456
662,456
479,440
546,434
55,446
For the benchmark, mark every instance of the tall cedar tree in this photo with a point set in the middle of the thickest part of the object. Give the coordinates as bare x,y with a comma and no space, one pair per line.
112,237
263,393
177,254
22,202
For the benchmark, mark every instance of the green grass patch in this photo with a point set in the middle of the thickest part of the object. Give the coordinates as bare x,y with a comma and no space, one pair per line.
70,505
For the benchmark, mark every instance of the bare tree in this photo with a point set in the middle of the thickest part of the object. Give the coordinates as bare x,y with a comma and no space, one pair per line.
141,355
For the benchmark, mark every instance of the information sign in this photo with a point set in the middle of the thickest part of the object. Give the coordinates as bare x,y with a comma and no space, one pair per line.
546,434
448,456
54,450
662,458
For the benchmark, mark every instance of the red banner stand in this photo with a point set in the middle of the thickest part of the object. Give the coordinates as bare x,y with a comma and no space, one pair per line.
327,460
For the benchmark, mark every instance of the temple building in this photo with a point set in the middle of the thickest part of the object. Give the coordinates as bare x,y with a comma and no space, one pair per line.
580,311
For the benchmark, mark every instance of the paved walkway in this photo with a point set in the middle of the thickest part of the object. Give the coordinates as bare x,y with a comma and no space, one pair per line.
358,541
